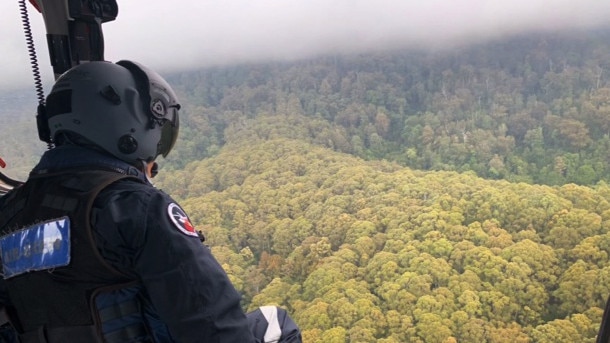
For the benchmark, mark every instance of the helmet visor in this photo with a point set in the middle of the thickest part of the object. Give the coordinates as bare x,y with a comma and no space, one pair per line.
169,133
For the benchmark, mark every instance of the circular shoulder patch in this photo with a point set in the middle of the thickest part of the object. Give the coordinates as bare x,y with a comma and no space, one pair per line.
180,220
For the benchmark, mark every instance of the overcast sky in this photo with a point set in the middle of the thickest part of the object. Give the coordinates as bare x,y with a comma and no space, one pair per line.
178,35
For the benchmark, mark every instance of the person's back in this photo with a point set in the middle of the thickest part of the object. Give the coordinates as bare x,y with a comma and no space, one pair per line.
91,251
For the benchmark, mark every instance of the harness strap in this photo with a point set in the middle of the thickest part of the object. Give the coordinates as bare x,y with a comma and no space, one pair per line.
83,334
127,334
119,310
74,334
4,316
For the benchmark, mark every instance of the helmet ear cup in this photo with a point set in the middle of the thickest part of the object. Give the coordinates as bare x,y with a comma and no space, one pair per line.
42,123
127,144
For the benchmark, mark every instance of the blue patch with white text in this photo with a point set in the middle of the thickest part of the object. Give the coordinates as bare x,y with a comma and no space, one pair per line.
38,247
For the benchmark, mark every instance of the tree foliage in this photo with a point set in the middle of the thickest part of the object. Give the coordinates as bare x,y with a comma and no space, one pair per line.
372,251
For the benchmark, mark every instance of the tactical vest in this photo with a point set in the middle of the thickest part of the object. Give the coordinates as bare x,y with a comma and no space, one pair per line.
64,304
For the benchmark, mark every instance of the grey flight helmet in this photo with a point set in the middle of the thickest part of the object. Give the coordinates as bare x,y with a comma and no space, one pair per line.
125,109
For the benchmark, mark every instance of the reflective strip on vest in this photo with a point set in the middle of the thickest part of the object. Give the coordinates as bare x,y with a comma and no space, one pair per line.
274,331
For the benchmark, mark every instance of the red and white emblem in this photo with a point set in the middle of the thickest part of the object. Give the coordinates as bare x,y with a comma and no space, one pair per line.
181,220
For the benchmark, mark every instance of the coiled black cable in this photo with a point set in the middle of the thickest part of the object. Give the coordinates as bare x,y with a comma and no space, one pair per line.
27,29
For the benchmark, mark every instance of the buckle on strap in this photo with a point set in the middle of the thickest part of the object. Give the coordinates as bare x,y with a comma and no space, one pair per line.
136,332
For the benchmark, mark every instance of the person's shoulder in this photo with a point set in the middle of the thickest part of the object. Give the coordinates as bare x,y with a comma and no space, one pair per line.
129,189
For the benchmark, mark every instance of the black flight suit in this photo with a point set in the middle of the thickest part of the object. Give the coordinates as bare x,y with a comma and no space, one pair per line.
158,272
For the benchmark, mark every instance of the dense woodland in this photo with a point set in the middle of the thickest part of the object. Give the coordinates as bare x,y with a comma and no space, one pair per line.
374,252
529,109
407,196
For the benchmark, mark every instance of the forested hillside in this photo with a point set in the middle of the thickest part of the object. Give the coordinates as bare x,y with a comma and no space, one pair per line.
533,109
529,109
373,252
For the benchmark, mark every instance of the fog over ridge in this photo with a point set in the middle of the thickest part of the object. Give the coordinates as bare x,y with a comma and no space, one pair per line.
192,34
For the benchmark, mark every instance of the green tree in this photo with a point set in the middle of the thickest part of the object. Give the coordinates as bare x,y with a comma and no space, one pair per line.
432,328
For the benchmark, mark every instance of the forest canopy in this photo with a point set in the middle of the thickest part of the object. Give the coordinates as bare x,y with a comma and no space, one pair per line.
374,252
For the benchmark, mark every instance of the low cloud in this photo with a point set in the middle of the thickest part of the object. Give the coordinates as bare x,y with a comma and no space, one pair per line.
197,33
